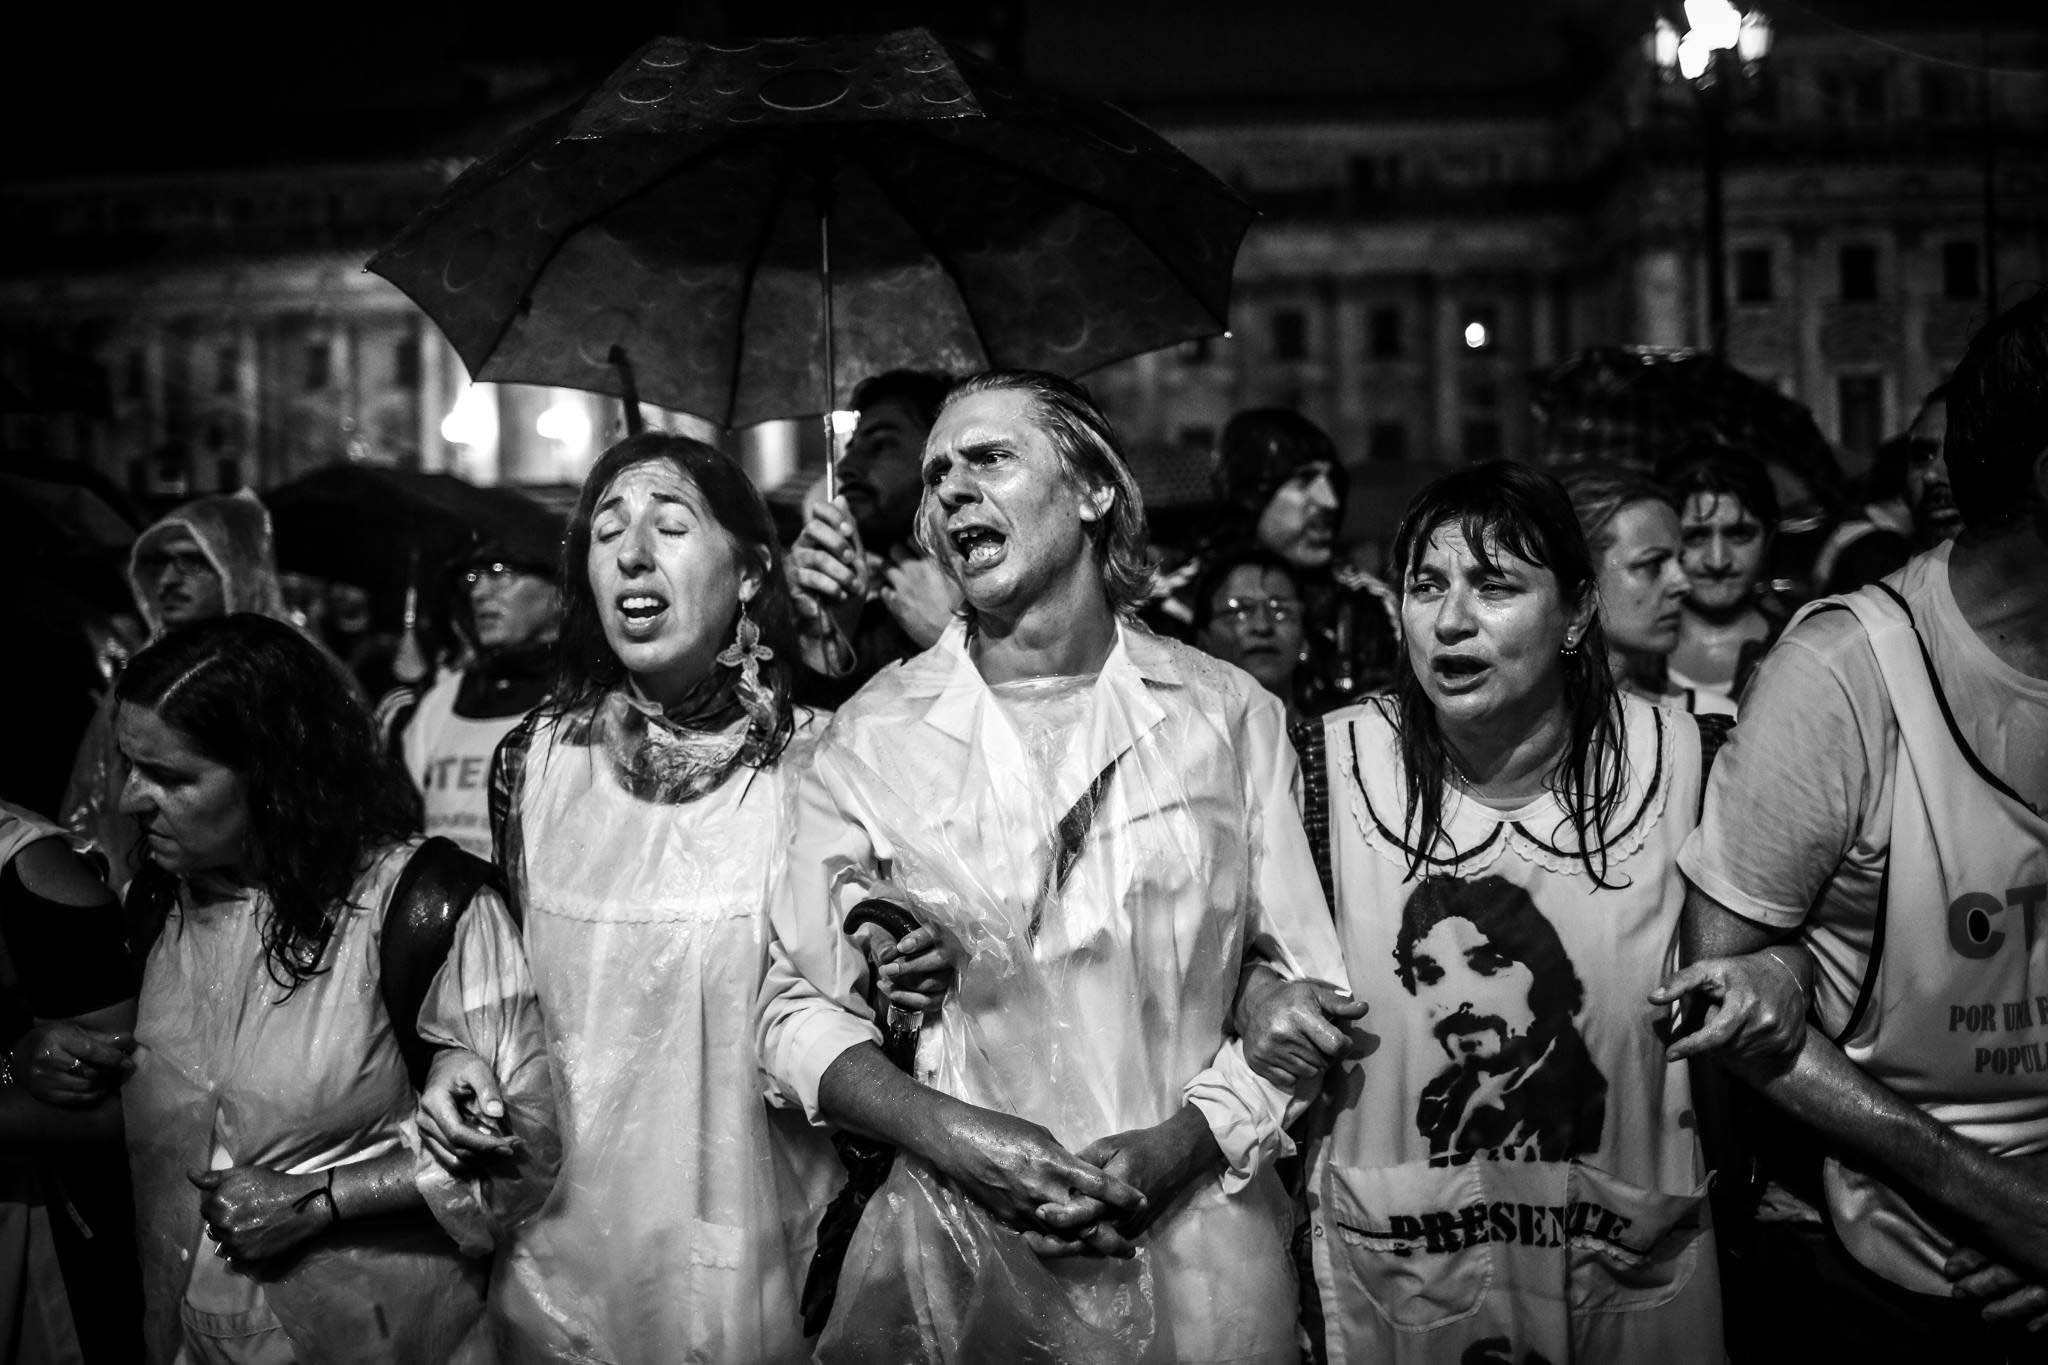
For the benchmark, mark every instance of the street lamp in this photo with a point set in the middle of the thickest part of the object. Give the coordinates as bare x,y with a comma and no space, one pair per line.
1719,53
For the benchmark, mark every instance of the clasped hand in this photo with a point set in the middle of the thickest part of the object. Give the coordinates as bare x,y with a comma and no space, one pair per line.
253,1213
1751,1010
1293,1031
72,1066
462,1112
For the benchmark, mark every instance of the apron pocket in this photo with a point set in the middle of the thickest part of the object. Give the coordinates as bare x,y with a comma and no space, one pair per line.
1402,1235
1631,1248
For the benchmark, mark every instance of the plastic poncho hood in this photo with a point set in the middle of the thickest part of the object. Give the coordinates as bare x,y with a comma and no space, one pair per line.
233,531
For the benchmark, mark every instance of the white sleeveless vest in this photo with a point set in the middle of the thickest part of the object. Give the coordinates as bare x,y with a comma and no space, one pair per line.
1953,1012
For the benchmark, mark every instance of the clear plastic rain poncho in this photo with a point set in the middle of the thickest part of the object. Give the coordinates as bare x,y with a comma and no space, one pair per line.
682,1223
1102,956
233,1070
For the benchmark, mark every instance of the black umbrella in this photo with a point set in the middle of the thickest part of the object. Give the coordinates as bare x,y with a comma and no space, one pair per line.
381,528
1641,406
687,214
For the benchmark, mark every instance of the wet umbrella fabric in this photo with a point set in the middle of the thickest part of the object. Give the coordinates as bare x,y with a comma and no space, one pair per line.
381,528
1639,405
974,220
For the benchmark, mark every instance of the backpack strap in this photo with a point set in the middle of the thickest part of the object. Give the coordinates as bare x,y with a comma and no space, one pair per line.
420,920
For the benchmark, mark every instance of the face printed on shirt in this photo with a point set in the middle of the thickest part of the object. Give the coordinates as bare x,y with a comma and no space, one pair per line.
1498,995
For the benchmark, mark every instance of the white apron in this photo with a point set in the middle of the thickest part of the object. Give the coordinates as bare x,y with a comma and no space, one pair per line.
449,757
682,1221
1513,1172
1954,1008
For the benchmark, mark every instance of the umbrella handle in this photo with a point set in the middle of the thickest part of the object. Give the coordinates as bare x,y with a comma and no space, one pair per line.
629,392
821,193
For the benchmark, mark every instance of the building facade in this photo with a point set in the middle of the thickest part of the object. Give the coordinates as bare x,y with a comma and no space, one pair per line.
1416,266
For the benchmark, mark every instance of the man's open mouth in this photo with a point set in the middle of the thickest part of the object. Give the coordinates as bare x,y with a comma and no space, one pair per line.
978,546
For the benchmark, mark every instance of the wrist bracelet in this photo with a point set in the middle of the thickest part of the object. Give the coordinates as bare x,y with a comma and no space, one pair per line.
1769,955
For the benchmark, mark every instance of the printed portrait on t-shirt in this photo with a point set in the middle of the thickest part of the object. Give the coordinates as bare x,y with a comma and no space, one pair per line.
1500,996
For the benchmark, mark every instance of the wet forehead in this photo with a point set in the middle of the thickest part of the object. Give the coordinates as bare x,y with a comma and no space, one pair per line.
1447,552
651,481
995,418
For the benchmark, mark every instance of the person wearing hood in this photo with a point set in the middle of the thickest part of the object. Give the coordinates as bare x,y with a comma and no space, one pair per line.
210,557
1281,490
444,729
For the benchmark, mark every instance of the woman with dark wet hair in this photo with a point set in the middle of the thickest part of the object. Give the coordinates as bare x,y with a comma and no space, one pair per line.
290,1007
639,816
1515,1163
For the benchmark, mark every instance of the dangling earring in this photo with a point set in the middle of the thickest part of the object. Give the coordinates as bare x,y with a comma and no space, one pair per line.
746,653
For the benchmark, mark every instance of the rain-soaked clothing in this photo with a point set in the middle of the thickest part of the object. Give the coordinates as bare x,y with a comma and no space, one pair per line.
1514,1171
35,1311
686,1209
233,532
234,1070
1108,851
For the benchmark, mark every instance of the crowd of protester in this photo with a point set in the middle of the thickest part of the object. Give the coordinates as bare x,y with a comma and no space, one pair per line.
974,932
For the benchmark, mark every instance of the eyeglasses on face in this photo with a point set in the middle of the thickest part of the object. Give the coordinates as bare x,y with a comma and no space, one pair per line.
1277,610
495,573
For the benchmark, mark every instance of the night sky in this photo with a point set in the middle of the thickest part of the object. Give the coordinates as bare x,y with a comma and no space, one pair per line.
165,87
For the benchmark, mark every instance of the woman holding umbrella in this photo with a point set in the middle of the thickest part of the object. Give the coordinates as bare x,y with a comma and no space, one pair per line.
640,816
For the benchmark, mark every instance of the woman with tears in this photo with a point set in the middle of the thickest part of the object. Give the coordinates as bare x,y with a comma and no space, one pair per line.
640,816
1513,1169
289,1009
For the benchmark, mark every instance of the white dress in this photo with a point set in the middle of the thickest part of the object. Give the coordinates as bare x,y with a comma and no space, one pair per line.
1513,1171
682,1223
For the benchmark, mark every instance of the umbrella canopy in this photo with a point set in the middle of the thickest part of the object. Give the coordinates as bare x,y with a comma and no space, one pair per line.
710,207
381,529
1640,405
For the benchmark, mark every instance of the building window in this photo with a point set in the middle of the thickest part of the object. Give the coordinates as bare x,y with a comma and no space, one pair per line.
1387,441
1937,95
138,373
227,474
405,363
1383,333
1481,438
1753,282
227,367
1290,334
318,362
1199,440
1859,400
1962,273
1481,329
1859,273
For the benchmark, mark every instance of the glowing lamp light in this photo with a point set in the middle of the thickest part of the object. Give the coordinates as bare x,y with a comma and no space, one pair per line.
1753,44
843,423
1717,23
1664,44
473,421
1693,56
1475,336
566,422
